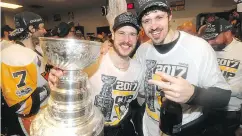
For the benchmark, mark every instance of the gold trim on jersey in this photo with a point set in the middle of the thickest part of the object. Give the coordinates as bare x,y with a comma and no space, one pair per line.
228,69
152,114
117,110
123,93
113,123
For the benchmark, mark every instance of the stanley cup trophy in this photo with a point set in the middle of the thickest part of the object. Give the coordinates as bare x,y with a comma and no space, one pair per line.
70,110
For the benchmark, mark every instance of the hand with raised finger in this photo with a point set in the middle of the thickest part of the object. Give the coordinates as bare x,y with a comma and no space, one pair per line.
175,89
54,75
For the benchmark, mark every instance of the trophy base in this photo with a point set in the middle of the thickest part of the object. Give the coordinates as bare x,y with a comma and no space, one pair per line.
44,125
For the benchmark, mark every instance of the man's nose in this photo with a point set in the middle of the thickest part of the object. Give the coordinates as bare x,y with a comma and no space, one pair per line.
127,38
153,25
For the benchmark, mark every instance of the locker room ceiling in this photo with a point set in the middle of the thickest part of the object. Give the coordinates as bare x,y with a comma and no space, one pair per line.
45,6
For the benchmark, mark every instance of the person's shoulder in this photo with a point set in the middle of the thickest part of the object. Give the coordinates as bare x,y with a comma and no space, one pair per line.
147,44
5,44
195,43
196,48
192,39
237,43
17,55
144,46
235,48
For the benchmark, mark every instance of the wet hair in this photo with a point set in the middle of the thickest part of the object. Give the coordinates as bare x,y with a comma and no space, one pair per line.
153,8
21,36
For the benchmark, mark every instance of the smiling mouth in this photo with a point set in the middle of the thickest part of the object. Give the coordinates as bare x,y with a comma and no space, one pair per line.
125,46
155,34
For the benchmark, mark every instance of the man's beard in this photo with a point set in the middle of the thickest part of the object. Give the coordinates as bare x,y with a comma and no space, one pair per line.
162,31
157,29
218,47
35,38
117,51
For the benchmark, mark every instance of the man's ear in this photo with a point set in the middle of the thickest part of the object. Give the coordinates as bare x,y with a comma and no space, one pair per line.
113,36
31,29
5,33
170,17
138,35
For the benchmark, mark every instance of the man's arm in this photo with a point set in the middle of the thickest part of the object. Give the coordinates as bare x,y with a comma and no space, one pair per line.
212,97
24,89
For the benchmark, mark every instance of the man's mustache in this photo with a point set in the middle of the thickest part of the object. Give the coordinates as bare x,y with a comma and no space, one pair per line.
125,43
153,30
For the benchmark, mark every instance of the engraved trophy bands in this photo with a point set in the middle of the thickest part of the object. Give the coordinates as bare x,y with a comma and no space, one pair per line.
70,110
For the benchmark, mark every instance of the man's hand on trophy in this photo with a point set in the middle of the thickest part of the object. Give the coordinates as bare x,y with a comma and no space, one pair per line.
54,76
105,47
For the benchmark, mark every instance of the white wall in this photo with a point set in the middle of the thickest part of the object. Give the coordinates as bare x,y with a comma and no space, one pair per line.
91,18
193,8
8,18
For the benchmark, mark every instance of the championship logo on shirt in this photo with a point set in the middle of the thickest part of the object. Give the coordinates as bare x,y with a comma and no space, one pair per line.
228,67
152,92
104,100
114,98
149,88
124,92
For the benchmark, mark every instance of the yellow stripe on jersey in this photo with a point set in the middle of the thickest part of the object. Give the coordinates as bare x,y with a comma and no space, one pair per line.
228,69
152,114
123,93
116,107
112,123
18,82
159,100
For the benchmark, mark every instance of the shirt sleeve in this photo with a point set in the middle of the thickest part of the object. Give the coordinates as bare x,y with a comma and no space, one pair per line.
22,86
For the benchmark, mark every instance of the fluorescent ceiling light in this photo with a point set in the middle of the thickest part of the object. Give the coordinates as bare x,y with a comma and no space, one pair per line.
9,5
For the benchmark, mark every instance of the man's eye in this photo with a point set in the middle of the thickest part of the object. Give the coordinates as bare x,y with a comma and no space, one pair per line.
121,32
145,21
159,17
134,34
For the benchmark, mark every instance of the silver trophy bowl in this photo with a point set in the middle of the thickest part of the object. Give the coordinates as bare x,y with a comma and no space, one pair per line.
69,54
70,109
